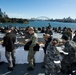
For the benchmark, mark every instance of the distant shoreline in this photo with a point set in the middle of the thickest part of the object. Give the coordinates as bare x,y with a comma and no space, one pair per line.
40,24
26,22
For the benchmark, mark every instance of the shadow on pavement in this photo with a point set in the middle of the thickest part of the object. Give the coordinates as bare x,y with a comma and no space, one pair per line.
21,69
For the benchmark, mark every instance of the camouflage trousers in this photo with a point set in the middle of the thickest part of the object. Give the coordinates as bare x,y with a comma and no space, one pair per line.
10,57
52,68
66,63
31,58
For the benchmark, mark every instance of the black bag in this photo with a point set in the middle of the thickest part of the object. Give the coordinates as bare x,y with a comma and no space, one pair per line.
35,48
26,46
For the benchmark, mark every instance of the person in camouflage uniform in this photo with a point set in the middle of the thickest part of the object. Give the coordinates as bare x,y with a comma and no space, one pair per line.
47,39
74,38
68,59
52,55
31,52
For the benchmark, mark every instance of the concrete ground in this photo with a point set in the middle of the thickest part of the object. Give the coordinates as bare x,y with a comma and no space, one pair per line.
21,69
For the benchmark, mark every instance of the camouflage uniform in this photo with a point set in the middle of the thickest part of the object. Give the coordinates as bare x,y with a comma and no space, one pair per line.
51,55
68,59
31,52
74,38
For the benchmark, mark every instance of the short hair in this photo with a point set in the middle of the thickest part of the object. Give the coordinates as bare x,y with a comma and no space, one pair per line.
30,28
55,39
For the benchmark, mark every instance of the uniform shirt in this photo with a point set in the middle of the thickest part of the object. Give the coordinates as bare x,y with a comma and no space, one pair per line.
70,48
52,53
34,39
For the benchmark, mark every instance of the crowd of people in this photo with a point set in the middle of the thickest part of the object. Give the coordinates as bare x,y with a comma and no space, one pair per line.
53,63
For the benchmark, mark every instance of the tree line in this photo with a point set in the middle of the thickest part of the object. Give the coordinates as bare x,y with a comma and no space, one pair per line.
6,19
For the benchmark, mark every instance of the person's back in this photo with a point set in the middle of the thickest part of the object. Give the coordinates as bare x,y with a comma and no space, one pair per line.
10,40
